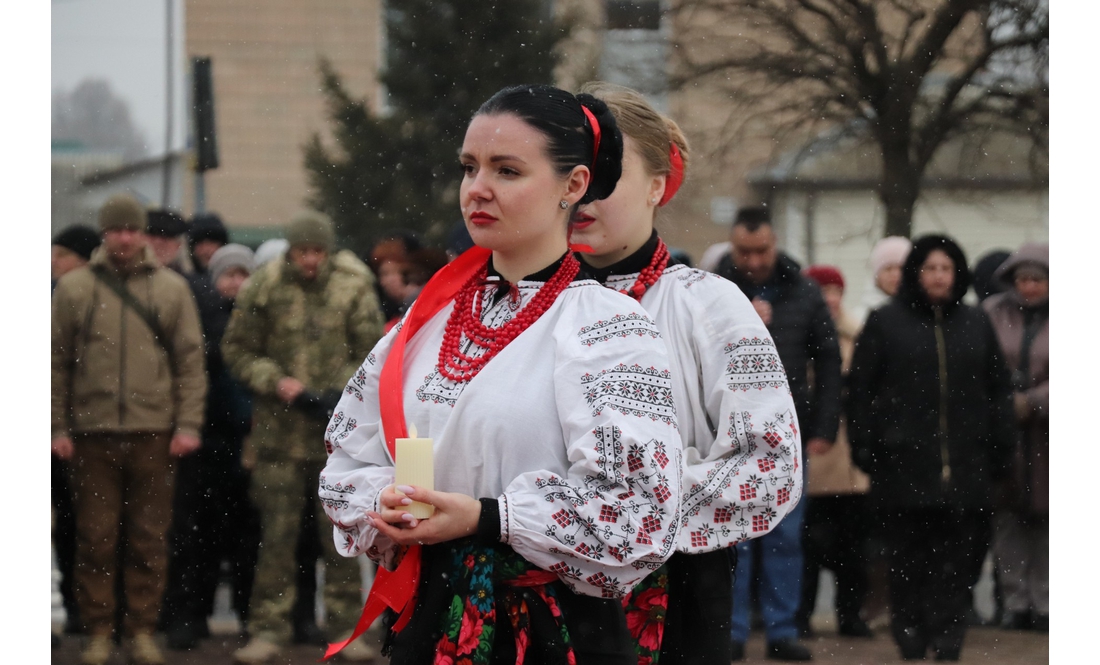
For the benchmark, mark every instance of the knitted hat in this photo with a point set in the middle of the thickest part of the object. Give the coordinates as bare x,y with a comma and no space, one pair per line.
270,249
207,226
122,211
166,223
310,227
890,251
79,239
825,275
231,256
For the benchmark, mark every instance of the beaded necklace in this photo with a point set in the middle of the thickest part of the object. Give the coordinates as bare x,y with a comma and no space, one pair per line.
465,321
651,273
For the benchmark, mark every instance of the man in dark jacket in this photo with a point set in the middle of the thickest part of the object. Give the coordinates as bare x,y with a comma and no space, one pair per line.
796,315
212,483
929,419
165,232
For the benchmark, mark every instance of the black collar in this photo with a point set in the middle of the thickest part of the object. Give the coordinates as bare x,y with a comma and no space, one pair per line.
504,286
538,276
636,262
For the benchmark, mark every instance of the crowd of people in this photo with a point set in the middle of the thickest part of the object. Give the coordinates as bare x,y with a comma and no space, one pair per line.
662,458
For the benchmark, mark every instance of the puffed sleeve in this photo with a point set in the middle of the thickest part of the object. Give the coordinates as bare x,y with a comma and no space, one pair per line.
359,466
742,482
612,518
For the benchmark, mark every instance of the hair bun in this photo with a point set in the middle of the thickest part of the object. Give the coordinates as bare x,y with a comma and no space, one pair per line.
607,167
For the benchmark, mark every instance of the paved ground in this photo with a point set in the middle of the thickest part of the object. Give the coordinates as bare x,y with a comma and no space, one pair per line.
983,645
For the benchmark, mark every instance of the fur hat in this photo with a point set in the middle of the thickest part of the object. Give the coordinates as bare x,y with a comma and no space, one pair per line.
890,251
1036,253
310,227
231,256
79,239
122,211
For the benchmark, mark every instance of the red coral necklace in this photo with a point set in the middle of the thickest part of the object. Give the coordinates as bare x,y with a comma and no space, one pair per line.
465,321
651,273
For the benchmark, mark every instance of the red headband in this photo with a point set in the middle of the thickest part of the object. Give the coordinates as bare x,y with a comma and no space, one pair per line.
595,133
675,176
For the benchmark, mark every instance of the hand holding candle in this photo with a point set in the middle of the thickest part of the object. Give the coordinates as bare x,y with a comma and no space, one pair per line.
415,466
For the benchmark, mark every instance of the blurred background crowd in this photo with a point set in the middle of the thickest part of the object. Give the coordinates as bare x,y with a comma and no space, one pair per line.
919,366
946,377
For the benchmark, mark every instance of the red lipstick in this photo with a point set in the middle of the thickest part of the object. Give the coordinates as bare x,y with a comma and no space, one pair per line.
481,218
582,220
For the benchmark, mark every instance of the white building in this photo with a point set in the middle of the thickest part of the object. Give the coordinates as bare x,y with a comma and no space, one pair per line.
825,209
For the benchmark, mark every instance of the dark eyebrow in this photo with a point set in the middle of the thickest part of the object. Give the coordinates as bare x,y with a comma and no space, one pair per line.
495,158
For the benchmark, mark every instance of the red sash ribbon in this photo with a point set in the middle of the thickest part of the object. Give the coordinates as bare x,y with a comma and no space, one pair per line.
397,589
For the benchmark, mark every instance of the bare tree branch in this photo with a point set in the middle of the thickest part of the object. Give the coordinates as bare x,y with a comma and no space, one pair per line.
914,73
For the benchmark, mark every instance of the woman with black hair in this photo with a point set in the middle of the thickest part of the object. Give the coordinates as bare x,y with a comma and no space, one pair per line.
735,411
557,465
929,420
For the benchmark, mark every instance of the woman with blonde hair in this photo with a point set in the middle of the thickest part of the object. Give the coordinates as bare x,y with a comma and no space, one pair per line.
742,451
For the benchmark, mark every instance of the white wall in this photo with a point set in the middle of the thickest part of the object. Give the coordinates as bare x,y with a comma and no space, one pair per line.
847,224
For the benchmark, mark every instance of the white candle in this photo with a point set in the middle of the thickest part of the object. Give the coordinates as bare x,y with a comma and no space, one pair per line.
415,467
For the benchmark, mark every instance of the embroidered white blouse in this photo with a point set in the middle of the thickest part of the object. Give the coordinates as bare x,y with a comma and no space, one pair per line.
742,448
571,427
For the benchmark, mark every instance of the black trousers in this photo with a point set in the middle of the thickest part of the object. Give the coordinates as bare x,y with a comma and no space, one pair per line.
64,535
834,537
213,520
700,609
935,556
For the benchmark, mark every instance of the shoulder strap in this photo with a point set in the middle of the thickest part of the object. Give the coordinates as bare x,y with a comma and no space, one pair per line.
128,300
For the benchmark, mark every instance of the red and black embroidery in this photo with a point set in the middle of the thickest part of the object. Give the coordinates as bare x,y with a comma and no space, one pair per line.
754,364
745,488
339,428
358,383
621,326
634,391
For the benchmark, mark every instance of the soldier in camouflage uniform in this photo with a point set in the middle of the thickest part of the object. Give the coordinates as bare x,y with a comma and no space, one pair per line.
301,327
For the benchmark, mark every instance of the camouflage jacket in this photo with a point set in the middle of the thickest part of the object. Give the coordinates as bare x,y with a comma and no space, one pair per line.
316,331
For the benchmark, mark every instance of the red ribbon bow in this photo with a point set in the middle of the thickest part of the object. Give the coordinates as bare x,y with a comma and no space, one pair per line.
675,176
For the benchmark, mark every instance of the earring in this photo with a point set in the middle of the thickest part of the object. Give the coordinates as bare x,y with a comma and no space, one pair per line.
563,204
653,202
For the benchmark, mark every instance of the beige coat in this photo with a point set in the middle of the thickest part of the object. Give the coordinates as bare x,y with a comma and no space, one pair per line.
833,473
109,375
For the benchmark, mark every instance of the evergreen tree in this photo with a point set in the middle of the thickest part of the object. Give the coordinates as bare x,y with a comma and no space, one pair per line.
444,59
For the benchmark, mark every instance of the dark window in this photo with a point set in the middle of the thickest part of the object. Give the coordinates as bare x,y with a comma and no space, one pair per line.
633,14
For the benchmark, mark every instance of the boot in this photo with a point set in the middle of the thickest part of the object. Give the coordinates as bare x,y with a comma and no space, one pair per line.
97,651
307,632
789,649
181,636
144,650
257,651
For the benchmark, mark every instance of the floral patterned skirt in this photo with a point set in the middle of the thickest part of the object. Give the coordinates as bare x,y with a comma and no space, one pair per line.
486,605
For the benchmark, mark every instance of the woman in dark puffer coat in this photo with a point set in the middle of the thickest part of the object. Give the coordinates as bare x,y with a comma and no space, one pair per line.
930,421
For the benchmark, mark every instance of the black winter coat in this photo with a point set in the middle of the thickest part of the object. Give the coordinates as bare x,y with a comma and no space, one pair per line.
929,411
804,336
228,402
